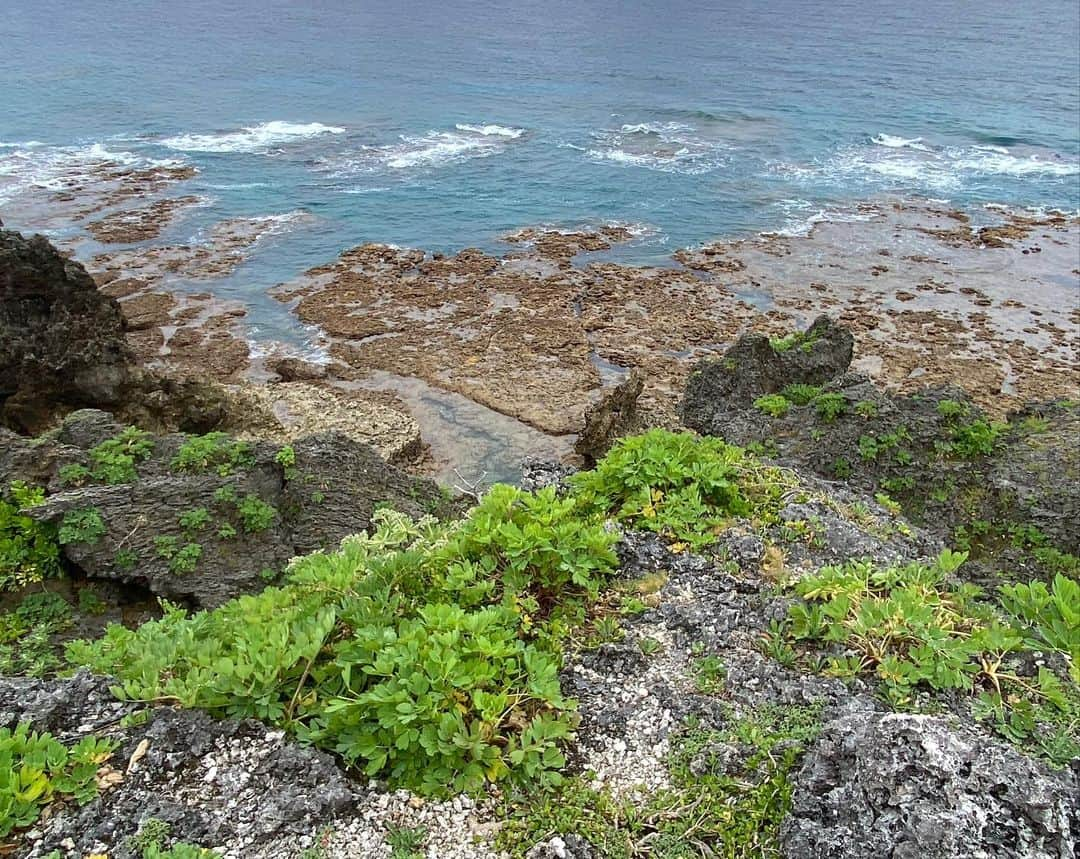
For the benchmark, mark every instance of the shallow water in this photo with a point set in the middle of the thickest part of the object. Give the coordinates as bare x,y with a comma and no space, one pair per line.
445,125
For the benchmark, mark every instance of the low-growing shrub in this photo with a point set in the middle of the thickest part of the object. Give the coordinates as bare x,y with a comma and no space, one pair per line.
215,451
113,461
81,526
416,652
36,768
912,629
830,406
773,405
677,485
255,514
28,549
801,395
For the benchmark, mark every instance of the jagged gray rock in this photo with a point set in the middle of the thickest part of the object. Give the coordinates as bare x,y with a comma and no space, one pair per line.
752,368
62,347
214,782
915,787
330,491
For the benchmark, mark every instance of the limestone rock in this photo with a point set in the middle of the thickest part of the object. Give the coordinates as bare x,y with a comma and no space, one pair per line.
914,787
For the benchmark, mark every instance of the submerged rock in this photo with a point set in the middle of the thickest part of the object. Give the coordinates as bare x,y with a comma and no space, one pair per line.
915,787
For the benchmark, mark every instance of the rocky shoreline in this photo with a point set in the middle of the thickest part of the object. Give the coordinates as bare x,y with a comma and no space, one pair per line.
707,718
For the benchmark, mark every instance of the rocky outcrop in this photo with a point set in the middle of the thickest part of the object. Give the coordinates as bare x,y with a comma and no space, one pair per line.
756,366
201,537
612,416
915,787
926,450
212,782
60,339
62,347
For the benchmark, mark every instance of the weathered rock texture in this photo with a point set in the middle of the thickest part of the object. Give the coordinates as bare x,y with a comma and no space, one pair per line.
62,347
913,787
918,447
213,782
611,417
329,492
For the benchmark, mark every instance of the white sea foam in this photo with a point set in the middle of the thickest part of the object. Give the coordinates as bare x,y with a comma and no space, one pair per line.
798,224
38,167
666,147
655,127
893,142
237,186
250,139
492,130
425,151
912,164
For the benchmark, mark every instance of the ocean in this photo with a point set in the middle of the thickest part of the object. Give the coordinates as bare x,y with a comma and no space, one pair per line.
446,125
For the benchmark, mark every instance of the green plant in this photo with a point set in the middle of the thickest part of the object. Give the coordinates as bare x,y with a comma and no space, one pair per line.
317,497
90,602
707,809
424,653
773,405
709,675
81,526
405,842
951,410
841,468
830,406
1048,616
649,646
166,546
226,531
286,458
194,520
28,549
801,395
225,495
35,769
804,340
73,474
113,461
26,634
866,409
213,451
978,438
186,559
868,447
911,629
125,559
255,514
680,486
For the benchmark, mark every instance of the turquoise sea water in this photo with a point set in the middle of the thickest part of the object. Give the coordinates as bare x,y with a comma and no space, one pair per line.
444,125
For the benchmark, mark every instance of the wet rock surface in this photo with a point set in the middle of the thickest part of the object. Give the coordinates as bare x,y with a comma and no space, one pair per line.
916,786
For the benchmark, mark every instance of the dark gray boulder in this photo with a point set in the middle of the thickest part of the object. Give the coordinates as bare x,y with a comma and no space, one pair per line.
63,347
915,787
214,782
60,339
144,527
754,367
